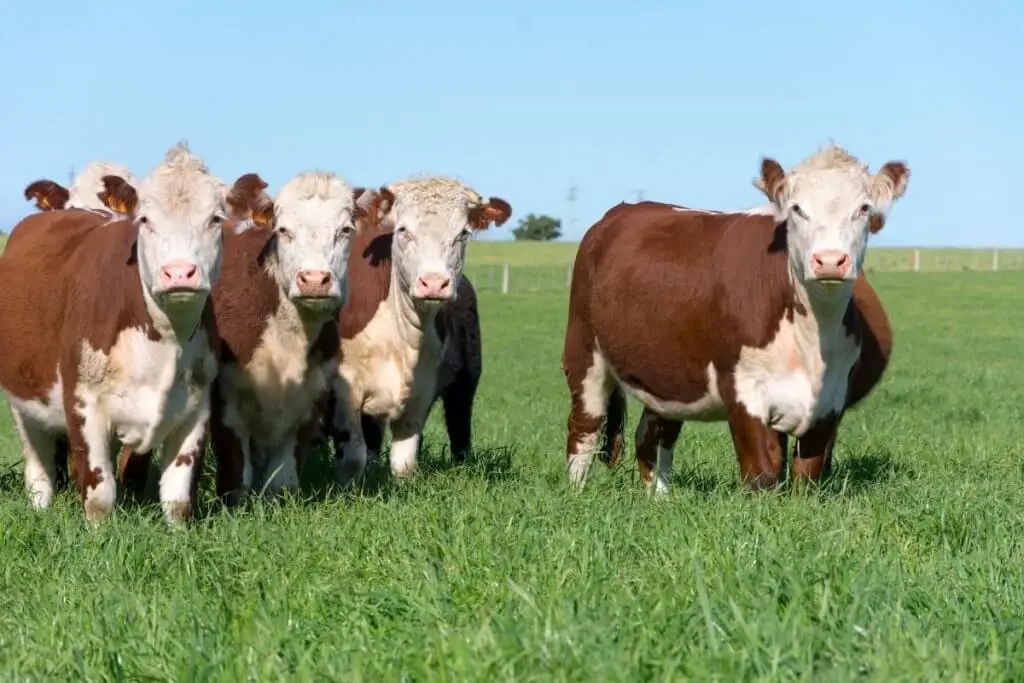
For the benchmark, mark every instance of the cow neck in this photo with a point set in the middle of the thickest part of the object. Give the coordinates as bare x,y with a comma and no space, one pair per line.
296,317
182,327
822,319
411,320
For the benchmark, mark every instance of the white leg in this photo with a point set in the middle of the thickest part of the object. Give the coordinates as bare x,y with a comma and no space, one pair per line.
581,458
406,432
663,471
282,468
39,449
91,438
404,447
181,455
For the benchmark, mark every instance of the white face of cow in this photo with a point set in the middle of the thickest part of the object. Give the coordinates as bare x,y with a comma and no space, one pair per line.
830,203
314,223
433,219
179,210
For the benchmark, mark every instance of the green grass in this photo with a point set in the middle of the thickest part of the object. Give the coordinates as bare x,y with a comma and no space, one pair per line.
907,565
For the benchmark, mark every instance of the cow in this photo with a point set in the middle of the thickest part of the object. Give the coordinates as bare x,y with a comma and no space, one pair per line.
761,319
399,323
86,192
122,346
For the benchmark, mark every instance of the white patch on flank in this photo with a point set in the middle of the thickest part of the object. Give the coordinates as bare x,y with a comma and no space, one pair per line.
708,408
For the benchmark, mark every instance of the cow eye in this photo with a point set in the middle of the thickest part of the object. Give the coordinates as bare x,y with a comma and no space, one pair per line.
798,211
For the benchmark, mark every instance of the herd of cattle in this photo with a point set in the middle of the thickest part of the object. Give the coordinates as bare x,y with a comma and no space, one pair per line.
165,313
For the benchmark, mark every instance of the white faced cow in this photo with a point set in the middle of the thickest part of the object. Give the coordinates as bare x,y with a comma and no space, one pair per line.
276,309
119,344
406,265
738,317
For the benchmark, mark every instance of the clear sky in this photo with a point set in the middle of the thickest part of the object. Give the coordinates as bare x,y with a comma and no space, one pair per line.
520,98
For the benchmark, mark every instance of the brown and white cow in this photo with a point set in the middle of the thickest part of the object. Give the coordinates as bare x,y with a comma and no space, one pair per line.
276,308
117,341
406,267
749,318
86,192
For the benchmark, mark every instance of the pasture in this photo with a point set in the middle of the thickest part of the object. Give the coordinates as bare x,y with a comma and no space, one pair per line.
905,565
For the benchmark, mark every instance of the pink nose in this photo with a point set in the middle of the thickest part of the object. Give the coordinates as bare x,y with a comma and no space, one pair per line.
179,274
433,286
830,264
313,282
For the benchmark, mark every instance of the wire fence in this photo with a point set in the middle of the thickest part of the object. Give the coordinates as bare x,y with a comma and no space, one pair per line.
505,278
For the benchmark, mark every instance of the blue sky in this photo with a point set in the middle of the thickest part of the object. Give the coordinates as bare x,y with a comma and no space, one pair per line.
519,98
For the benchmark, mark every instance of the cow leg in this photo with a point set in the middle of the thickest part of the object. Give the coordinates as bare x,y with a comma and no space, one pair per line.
89,441
407,431
591,387
180,459
758,448
458,415
349,445
282,469
133,471
232,455
655,443
39,449
813,457
62,464
373,436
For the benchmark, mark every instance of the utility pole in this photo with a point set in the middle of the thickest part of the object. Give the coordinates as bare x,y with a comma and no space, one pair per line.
571,196
639,194
71,175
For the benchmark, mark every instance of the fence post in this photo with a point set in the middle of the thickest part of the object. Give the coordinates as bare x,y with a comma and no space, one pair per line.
917,260
995,259
504,280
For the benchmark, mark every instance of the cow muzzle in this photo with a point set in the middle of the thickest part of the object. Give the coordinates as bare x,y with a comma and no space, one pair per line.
433,287
831,265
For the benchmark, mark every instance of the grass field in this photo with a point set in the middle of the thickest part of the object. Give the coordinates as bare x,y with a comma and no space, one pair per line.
906,565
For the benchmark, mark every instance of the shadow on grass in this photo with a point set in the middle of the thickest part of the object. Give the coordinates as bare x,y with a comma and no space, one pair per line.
493,465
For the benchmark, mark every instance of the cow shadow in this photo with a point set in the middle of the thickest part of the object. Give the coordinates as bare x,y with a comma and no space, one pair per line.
491,464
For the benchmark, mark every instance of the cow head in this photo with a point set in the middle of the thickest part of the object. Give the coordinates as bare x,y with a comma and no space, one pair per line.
179,209
433,219
48,195
312,223
830,203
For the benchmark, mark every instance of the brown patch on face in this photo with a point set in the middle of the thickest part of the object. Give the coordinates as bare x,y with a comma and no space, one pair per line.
876,222
496,211
118,195
48,195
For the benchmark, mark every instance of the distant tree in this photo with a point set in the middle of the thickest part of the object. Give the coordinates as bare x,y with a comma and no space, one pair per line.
538,228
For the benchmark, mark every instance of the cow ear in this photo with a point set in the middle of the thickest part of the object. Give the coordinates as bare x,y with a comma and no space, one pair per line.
48,195
373,205
889,184
118,195
772,181
264,215
496,211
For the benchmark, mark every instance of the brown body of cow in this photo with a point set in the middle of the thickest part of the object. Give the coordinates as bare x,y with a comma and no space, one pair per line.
91,305
668,304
